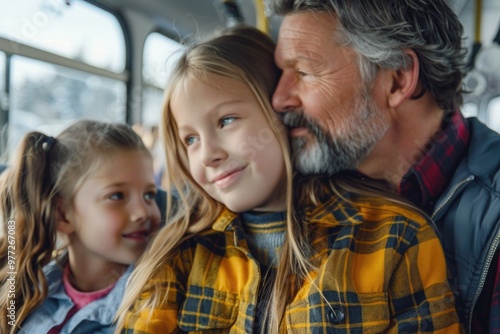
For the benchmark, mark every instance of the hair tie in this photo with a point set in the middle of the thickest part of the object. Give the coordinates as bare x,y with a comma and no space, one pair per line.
48,143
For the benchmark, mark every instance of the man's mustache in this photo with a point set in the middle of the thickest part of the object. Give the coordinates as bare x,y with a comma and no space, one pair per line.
297,119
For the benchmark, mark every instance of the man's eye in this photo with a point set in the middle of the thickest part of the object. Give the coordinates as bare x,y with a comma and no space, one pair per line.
227,120
301,73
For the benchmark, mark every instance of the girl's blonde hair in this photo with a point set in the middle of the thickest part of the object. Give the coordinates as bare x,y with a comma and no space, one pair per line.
244,54
247,55
46,173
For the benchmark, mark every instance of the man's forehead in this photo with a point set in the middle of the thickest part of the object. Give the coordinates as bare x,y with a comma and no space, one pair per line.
304,36
307,22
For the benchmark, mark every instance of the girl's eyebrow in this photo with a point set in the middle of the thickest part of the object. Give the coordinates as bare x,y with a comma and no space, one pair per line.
223,105
213,110
122,184
115,185
183,128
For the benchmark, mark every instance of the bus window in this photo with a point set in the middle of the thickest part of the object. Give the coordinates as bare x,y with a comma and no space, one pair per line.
48,97
79,31
159,55
470,109
3,104
66,61
2,73
493,114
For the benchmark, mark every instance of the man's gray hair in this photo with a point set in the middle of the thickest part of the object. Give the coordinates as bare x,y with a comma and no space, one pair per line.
381,31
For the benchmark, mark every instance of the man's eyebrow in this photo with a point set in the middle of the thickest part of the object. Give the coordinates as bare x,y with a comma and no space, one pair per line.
302,57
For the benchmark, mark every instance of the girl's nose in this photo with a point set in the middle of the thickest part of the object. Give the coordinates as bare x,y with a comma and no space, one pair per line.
213,153
139,210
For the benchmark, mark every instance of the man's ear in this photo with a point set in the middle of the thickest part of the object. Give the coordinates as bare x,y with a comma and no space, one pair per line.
405,82
63,224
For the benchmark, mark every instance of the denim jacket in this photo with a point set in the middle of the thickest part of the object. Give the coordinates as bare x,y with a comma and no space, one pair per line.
96,317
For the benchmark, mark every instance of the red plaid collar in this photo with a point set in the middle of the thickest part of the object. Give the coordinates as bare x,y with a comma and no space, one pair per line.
425,181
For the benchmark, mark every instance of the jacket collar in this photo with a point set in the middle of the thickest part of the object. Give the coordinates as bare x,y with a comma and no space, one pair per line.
428,177
103,310
226,217
484,146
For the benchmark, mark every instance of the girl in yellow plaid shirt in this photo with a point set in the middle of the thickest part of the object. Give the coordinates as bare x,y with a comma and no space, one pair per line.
245,252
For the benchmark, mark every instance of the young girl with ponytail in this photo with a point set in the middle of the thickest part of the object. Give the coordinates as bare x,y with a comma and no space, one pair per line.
76,211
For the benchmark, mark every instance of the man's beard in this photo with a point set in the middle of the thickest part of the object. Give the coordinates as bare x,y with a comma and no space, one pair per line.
330,154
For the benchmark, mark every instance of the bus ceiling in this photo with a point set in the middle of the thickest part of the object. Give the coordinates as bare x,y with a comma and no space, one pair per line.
189,18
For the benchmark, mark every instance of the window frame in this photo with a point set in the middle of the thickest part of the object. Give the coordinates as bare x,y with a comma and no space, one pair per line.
15,48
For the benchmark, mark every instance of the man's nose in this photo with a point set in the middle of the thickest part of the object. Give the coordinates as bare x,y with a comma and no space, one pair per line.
285,97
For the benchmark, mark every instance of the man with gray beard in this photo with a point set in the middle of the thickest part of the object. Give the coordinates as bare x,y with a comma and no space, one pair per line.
375,86
327,154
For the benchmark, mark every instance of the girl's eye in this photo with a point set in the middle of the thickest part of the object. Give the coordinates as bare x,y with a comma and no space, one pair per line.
190,140
150,195
226,121
117,196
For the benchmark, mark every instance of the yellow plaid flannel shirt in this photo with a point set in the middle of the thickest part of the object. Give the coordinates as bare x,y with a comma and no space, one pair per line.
381,269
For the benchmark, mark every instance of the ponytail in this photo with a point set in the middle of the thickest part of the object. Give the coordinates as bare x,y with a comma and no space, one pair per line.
28,237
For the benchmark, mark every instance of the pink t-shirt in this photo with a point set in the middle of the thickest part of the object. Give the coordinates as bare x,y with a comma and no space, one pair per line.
80,299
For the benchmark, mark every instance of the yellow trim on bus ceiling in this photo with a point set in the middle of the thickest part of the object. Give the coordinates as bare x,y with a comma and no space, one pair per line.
477,23
262,21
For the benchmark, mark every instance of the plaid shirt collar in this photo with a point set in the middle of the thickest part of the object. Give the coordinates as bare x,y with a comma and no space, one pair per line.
425,181
332,209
